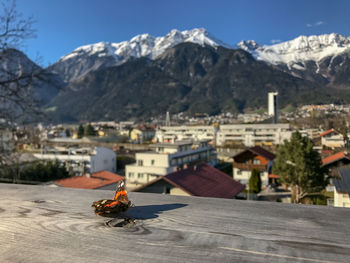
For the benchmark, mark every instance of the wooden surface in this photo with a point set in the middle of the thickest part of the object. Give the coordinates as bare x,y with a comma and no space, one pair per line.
45,224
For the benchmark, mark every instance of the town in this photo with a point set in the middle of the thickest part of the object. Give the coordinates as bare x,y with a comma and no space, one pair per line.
177,155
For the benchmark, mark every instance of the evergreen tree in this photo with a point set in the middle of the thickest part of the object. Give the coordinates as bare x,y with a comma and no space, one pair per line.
299,166
67,131
80,131
89,130
255,182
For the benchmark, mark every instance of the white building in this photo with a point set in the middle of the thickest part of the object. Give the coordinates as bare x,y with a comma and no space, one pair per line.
332,139
82,160
273,106
253,134
342,187
167,158
173,133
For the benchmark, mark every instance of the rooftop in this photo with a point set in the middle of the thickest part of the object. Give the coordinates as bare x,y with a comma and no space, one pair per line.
178,143
96,180
342,184
202,180
258,151
327,132
45,224
335,157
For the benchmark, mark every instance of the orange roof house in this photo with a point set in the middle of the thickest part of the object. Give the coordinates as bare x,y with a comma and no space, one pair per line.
100,180
335,161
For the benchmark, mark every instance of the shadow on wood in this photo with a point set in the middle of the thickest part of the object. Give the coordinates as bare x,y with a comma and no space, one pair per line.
151,211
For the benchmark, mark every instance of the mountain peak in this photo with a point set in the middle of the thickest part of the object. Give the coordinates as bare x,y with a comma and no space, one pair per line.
300,49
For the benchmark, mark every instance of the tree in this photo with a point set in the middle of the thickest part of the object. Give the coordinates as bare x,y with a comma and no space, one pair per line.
255,182
16,95
16,80
343,129
89,130
67,131
299,167
80,131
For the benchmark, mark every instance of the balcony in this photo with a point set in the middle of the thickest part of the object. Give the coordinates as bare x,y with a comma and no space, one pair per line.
248,166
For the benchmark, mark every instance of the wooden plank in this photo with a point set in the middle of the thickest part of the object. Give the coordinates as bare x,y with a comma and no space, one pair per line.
47,224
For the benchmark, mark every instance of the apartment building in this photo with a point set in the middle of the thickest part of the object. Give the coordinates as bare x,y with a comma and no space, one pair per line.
253,134
173,133
81,160
332,139
167,158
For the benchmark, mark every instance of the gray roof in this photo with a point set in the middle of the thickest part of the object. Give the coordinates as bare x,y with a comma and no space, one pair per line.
342,184
55,224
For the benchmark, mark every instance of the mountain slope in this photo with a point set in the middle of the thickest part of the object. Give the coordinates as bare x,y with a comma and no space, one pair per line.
187,77
88,58
323,59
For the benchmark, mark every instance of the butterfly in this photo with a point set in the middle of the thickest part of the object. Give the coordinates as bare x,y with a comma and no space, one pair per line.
119,203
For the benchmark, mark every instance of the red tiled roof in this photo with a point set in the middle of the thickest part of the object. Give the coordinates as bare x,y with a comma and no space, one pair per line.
326,132
96,180
334,157
259,151
202,180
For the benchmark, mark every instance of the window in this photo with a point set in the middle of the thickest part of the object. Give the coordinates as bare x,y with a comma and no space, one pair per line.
131,175
140,175
167,190
239,172
255,161
152,162
140,162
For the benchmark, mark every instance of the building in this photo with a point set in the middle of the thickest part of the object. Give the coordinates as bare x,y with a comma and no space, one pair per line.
273,106
342,187
103,180
199,180
167,158
82,160
332,139
253,134
173,133
253,158
142,134
333,162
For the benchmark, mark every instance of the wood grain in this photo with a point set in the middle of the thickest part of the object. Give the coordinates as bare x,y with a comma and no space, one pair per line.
45,224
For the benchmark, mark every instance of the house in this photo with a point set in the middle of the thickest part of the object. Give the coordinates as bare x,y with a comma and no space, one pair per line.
253,134
142,134
102,180
335,161
167,158
198,180
173,133
253,158
81,160
332,139
342,187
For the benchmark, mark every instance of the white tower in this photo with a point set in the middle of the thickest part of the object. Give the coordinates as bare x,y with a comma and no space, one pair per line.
167,119
273,106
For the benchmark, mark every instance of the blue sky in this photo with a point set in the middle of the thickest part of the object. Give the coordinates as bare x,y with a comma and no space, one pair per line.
63,25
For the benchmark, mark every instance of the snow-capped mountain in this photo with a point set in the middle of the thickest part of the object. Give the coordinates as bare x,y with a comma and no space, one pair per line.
95,56
313,57
316,58
300,49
